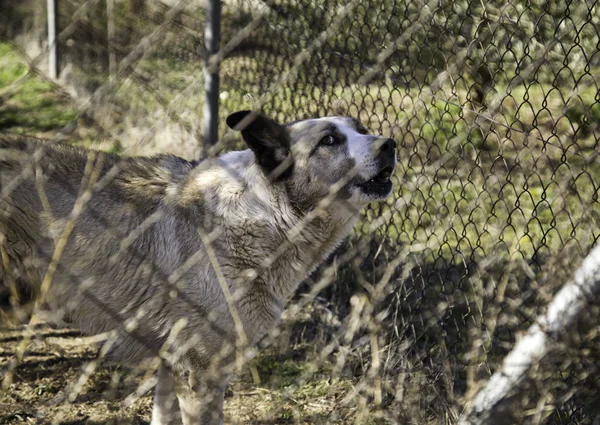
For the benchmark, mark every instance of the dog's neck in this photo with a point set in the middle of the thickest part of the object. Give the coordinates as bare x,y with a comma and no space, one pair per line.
262,234
238,197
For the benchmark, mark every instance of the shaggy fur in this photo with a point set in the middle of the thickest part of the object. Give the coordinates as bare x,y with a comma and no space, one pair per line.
186,260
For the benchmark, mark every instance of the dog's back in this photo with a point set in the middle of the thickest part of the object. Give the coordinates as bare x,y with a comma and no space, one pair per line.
40,184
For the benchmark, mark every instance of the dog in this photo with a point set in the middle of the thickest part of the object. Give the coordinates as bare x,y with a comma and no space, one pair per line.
188,261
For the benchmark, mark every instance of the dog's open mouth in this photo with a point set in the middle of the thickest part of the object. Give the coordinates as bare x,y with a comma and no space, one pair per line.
380,185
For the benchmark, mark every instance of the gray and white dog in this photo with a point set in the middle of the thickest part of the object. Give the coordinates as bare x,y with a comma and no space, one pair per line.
189,261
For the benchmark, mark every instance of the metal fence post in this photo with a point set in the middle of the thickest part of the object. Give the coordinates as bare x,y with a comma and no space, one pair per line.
212,39
110,30
53,65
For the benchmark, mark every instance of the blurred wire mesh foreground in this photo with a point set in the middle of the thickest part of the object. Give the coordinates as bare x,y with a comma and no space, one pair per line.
496,108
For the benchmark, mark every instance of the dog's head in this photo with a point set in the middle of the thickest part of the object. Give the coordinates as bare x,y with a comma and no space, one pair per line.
317,158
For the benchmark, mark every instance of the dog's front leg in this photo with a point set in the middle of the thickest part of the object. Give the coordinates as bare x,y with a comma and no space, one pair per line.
165,410
200,400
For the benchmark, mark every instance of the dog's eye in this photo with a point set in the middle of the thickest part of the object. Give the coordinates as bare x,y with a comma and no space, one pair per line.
329,140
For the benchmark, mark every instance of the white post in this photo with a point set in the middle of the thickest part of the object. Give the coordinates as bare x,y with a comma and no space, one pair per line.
53,64
562,312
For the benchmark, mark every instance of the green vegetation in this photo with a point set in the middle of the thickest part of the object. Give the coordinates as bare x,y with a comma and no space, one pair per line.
295,392
494,184
497,113
28,103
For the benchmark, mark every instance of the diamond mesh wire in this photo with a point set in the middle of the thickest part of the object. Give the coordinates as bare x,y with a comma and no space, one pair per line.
496,109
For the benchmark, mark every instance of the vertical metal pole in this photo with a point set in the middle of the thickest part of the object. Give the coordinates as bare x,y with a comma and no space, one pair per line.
52,40
212,39
110,30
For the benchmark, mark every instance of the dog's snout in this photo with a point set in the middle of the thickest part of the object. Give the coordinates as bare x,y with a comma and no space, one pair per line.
388,146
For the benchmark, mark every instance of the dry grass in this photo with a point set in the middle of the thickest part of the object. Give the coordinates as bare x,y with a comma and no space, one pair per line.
495,206
47,371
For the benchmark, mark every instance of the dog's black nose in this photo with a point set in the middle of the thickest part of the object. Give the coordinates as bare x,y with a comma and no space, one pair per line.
389,146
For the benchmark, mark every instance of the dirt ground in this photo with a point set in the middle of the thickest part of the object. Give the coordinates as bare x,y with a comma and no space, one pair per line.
44,381
49,376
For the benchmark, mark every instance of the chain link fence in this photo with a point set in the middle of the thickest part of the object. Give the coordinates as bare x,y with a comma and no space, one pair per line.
496,109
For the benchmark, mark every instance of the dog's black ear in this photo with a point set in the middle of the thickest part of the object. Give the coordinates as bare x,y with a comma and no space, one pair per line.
268,140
